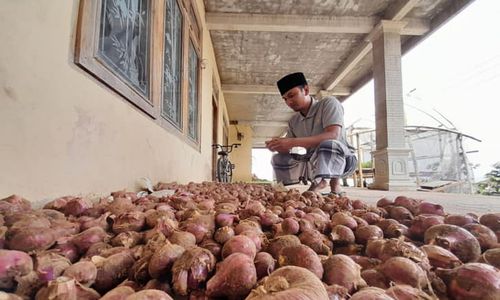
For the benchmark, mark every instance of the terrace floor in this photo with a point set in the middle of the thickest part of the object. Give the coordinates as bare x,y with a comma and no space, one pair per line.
452,203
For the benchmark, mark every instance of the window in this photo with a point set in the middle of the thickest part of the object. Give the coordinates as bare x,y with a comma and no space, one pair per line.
172,62
193,93
123,42
148,51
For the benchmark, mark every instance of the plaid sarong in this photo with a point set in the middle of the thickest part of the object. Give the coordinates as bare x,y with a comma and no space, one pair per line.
331,159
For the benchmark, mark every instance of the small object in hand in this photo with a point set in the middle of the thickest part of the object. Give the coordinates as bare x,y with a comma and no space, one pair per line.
298,150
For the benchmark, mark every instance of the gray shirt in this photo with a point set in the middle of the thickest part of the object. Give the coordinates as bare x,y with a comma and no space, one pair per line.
321,114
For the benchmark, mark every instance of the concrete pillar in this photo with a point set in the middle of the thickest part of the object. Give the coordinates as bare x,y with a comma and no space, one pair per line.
391,154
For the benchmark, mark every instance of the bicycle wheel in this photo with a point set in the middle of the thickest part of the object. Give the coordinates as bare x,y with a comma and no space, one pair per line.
229,171
220,170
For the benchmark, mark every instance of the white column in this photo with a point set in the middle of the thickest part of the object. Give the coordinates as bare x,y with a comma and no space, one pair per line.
392,153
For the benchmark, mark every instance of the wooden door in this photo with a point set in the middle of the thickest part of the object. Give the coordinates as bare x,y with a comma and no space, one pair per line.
215,133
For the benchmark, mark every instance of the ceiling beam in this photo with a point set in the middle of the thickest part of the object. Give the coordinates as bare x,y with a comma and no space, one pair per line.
394,13
445,15
250,89
297,23
289,23
273,90
350,63
400,9
415,26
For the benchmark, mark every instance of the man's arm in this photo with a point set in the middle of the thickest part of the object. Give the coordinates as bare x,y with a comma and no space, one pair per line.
283,145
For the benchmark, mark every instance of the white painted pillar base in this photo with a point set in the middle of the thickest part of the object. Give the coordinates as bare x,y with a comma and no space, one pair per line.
391,155
391,170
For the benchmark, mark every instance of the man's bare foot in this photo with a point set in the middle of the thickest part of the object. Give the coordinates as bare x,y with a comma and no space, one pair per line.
335,186
316,187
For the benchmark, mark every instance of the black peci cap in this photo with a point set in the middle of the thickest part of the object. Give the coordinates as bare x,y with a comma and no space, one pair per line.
290,81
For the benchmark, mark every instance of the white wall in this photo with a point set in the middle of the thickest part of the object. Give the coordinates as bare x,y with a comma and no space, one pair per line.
63,132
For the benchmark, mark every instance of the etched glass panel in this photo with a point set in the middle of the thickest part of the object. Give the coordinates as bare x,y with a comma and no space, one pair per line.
124,41
171,104
193,93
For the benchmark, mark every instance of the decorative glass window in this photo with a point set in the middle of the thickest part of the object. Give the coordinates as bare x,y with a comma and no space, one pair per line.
124,41
172,62
193,93
148,52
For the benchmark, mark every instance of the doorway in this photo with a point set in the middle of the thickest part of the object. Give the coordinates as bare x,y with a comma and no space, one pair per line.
215,133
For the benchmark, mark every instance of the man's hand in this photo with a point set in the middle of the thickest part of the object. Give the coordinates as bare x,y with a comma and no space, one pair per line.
282,145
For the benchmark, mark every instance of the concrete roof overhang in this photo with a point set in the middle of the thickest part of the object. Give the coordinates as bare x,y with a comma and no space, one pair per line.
257,42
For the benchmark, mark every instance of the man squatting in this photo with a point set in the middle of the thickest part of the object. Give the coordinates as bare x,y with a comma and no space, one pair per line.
317,126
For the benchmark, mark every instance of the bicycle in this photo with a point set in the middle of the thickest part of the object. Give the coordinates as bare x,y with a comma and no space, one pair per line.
224,171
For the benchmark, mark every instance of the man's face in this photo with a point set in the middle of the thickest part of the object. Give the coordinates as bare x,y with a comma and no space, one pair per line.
295,98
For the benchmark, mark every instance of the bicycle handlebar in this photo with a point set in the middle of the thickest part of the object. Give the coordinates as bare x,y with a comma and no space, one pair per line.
226,148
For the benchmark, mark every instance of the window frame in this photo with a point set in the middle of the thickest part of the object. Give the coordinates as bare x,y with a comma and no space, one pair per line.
86,56
198,88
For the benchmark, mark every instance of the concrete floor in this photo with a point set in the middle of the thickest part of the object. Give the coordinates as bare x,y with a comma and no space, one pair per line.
452,203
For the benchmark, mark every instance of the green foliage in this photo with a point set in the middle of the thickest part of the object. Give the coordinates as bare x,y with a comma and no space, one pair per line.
367,164
491,186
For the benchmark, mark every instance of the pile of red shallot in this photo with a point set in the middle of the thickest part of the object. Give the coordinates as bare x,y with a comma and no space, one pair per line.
244,241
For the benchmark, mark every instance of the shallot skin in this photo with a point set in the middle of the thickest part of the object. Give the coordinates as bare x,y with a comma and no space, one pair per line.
456,239
13,263
245,241
472,281
235,277
342,270
290,282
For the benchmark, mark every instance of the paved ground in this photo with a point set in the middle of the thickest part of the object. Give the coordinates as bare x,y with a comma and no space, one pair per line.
452,203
